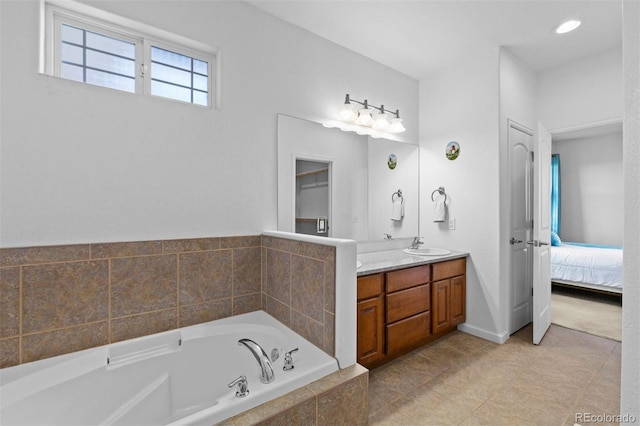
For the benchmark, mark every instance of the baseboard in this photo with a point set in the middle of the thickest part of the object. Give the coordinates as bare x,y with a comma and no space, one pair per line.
484,334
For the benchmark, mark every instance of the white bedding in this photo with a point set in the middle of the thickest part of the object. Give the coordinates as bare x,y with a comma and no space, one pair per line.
589,265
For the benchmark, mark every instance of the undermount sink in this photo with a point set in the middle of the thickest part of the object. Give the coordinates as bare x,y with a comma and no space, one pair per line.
427,251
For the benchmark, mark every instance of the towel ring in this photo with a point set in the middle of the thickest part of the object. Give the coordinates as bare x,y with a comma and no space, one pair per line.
398,193
441,192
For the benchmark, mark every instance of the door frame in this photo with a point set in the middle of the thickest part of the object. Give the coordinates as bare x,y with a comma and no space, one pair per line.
318,159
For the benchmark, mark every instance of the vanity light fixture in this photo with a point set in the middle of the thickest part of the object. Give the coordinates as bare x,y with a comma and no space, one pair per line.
567,26
371,116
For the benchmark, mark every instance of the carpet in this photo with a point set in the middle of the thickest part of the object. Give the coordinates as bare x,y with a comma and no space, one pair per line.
594,313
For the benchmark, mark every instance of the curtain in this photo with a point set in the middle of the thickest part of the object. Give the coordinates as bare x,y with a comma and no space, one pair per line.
555,193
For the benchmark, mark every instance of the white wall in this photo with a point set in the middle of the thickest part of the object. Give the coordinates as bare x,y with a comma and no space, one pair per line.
630,389
584,91
461,104
384,182
86,164
592,190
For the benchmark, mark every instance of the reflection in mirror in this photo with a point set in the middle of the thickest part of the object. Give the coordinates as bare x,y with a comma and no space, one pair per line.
312,197
363,174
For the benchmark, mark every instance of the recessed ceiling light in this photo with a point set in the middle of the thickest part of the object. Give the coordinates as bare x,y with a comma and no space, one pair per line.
567,26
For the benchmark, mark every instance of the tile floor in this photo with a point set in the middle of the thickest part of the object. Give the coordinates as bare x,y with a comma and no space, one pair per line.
463,380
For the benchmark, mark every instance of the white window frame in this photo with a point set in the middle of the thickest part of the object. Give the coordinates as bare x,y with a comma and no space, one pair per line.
54,13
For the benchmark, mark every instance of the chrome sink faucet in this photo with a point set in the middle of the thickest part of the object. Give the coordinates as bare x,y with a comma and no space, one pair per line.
266,368
416,243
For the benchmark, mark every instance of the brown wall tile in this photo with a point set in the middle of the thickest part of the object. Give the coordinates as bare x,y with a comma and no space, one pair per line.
311,330
278,310
346,404
241,241
149,291
45,254
143,324
247,303
301,414
57,342
9,302
274,408
330,284
125,249
247,270
307,287
194,244
142,284
9,352
279,276
205,276
64,294
329,337
205,312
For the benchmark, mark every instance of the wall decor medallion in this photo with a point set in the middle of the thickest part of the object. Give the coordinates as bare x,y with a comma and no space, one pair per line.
453,150
392,161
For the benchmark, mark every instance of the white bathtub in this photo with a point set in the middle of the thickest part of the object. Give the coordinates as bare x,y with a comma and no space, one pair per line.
175,377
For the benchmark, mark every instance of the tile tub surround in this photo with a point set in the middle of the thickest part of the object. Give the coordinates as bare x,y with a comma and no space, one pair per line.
61,299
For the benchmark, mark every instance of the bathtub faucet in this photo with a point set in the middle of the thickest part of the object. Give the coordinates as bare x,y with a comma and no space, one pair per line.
266,368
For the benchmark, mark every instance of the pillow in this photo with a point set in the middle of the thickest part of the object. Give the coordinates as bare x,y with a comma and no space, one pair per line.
555,239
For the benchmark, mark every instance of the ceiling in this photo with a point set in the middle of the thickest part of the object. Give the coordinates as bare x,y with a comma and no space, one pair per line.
418,37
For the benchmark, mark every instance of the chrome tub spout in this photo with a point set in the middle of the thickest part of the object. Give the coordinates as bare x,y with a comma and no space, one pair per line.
266,368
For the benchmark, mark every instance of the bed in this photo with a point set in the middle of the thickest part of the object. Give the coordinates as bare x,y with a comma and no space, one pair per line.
587,266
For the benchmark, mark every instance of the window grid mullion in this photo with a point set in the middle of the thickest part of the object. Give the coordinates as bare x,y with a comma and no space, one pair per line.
84,55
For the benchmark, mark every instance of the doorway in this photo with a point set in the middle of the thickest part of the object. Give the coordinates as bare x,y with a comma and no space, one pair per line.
590,228
521,189
313,198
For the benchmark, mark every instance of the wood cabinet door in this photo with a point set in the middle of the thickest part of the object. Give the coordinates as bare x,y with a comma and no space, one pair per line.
440,305
370,345
458,300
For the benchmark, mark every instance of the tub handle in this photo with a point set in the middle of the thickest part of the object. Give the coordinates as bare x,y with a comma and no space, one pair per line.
243,389
288,360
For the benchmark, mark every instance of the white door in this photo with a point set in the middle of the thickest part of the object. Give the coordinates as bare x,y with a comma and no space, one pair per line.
520,169
541,234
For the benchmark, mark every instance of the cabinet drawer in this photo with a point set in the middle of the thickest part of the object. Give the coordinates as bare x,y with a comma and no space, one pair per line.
407,332
370,286
405,303
450,268
406,278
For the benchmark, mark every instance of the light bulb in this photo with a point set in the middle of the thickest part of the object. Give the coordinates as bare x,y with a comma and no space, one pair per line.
381,122
364,117
396,126
347,113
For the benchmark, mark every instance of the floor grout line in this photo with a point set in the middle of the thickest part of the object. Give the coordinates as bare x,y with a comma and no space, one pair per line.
519,358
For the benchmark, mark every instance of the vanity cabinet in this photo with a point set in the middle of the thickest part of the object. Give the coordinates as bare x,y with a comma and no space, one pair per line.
370,313
449,289
403,309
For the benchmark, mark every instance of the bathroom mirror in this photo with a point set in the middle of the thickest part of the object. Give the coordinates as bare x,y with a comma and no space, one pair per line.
361,177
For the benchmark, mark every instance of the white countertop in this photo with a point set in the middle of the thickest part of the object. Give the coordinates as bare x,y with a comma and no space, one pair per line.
386,260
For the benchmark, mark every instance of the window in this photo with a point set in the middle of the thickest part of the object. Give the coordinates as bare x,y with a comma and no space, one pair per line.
98,59
179,77
94,51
